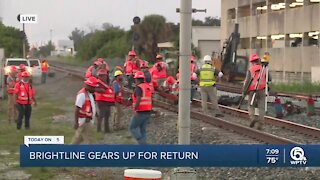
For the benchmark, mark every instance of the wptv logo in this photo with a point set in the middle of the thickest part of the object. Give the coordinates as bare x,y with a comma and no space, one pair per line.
297,156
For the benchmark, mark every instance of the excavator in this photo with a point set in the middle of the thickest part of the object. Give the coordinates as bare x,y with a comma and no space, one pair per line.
234,67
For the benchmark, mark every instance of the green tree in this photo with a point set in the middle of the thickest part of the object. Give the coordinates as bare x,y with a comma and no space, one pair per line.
45,50
11,40
77,36
152,30
209,21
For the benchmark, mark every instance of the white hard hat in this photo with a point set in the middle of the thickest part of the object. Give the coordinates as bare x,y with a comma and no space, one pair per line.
220,74
207,58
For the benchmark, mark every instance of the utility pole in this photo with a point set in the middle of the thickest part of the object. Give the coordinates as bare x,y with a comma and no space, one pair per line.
24,41
51,35
184,85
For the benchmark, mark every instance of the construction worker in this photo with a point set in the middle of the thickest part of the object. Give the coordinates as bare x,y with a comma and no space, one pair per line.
11,81
160,67
105,98
131,66
84,112
93,69
142,105
256,86
117,85
44,70
22,68
208,86
193,76
24,96
103,65
168,84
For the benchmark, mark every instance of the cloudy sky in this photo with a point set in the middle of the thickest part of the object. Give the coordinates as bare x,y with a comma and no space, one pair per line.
62,16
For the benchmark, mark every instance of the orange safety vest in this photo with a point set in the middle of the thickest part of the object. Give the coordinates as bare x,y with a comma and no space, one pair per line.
44,67
255,71
154,77
86,109
163,72
119,96
24,92
107,95
146,99
89,72
131,68
10,90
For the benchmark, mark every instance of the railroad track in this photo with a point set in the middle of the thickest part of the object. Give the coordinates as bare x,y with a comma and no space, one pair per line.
300,130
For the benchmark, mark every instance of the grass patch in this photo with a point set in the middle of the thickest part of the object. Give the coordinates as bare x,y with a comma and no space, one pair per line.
41,124
305,87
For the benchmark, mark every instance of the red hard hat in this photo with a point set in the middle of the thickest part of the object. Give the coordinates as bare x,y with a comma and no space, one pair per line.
13,68
97,63
91,81
170,80
22,66
139,74
158,56
132,53
25,74
254,57
100,60
102,72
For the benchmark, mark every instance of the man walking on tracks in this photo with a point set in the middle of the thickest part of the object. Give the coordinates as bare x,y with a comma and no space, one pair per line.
85,110
208,86
142,105
44,70
256,82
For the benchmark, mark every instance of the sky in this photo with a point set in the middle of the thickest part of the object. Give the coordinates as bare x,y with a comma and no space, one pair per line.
62,16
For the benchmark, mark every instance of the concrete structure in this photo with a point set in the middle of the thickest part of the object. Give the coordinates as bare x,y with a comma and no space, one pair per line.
288,29
64,48
206,39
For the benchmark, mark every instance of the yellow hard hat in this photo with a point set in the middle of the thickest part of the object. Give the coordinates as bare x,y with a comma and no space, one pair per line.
117,73
265,58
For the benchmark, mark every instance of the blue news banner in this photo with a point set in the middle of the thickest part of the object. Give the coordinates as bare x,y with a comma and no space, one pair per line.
170,156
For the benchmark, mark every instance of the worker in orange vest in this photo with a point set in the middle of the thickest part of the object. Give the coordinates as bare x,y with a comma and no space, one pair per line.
142,105
105,98
131,66
44,70
93,69
25,96
257,87
11,81
168,84
84,112
103,65
160,68
117,86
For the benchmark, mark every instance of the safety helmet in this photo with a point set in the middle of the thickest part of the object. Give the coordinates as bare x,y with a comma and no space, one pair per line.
22,67
117,73
139,75
97,63
102,72
170,80
207,58
254,57
132,53
100,60
158,56
265,58
91,81
25,74
13,68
